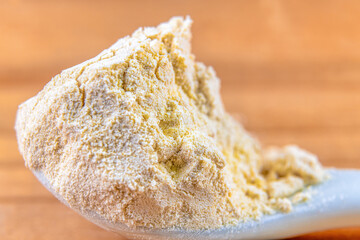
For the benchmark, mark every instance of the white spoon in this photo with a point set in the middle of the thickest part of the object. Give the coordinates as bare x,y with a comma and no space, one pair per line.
334,204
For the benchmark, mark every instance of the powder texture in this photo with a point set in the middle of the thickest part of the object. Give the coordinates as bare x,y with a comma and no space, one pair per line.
140,136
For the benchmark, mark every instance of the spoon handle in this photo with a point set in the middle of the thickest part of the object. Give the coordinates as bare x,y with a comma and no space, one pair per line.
337,201
334,204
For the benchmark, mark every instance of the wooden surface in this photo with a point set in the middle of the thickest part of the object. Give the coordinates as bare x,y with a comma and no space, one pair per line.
290,72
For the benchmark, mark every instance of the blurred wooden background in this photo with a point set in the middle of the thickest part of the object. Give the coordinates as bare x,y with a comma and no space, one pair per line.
290,72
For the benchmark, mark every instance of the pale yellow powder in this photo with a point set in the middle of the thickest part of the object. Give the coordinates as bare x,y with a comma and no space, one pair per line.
139,135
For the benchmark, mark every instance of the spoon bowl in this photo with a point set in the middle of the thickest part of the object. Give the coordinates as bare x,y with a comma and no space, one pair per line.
334,203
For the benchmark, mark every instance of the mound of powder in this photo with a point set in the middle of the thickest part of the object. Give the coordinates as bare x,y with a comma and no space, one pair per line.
140,136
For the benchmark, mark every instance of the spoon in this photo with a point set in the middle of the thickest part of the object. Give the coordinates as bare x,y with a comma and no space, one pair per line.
334,203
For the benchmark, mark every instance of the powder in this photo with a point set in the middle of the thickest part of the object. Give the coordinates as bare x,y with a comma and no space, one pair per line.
140,136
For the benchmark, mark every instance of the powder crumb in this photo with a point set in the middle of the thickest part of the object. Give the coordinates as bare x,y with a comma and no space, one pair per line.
281,204
140,136
285,186
300,198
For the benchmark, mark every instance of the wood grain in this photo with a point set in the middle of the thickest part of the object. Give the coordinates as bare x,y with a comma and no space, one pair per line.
290,72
